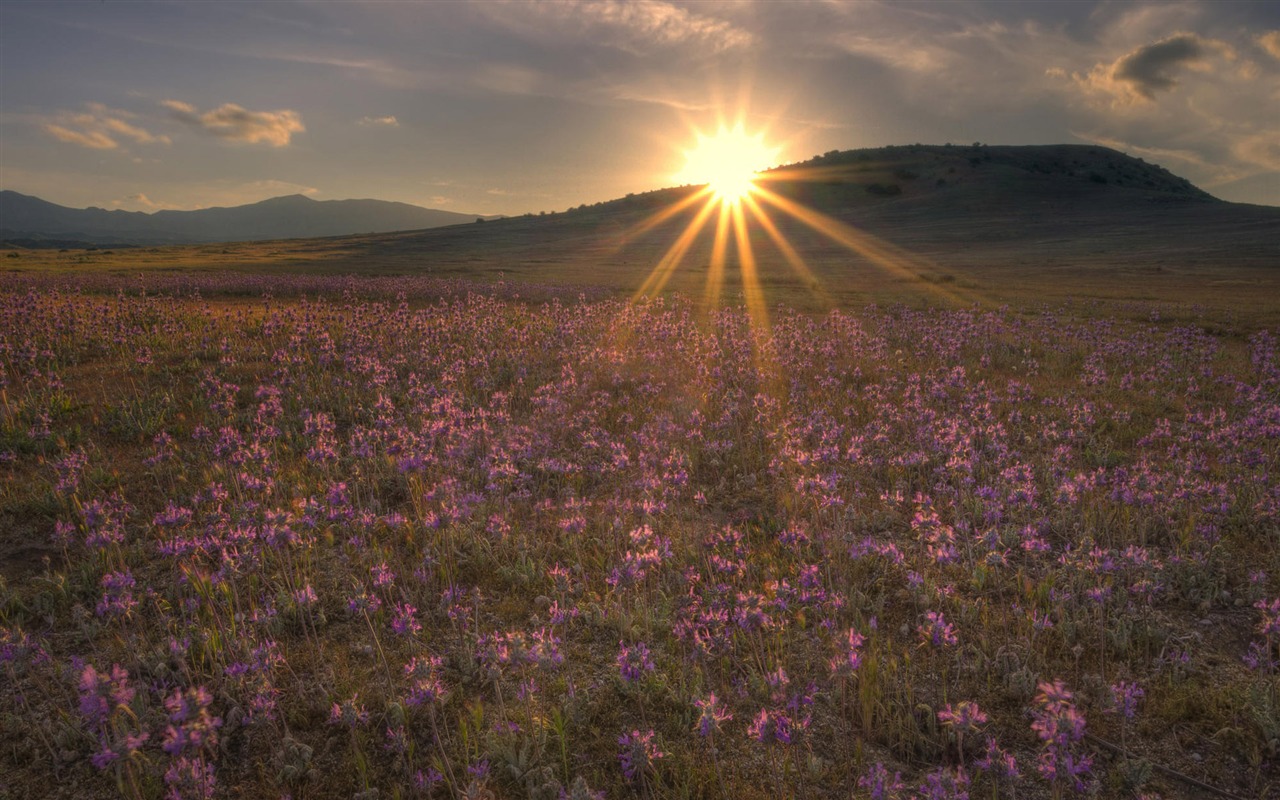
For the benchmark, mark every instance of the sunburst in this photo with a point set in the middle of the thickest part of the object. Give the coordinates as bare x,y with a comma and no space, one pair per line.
727,161
729,167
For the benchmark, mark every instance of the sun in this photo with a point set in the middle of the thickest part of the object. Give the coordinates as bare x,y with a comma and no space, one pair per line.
727,161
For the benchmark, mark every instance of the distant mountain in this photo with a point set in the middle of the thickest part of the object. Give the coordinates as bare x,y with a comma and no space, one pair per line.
30,221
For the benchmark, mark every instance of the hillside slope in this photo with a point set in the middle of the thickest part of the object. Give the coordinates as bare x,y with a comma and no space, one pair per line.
952,206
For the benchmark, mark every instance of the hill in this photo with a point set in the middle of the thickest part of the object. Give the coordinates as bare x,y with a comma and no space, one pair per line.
962,223
30,221
947,214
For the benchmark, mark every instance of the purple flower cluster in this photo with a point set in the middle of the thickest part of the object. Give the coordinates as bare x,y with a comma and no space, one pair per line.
634,661
638,754
1060,727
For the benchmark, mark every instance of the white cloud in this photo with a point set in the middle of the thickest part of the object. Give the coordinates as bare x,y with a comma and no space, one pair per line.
380,122
98,128
235,123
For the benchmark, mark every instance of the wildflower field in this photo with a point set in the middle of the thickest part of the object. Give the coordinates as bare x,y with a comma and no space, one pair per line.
268,536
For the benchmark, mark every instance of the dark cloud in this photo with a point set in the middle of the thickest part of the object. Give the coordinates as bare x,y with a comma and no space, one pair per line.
1150,68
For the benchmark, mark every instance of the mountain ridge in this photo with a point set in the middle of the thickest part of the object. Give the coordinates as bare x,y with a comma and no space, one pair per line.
32,220
957,204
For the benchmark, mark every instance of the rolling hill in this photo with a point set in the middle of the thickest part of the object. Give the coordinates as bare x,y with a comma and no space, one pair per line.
35,222
949,209
962,222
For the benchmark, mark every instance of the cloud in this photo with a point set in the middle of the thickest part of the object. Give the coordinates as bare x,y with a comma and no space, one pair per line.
234,193
99,128
381,122
511,79
1172,82
662,23
235,123
1158,154
1270,41
638,27
139,202
1199,103
95,140
918,57
1127,24
1152,68
274,188
637,95
1262,149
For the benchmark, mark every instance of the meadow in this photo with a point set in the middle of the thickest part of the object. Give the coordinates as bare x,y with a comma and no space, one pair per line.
332,536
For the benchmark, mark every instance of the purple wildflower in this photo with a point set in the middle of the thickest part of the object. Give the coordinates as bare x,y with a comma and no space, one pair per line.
349,713
405,622
880,785
425,686
638,754
997,761
850,656
102,694
634,661
962,717
936,630
711,715
1124,697
191,727
1058,724
770,727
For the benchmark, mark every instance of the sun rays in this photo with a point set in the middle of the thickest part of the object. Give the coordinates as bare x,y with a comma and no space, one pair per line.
740,206
727,162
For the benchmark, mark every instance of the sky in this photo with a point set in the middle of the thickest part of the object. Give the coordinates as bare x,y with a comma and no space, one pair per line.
496,107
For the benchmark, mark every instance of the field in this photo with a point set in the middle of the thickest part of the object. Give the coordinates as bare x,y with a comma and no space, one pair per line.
307,535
